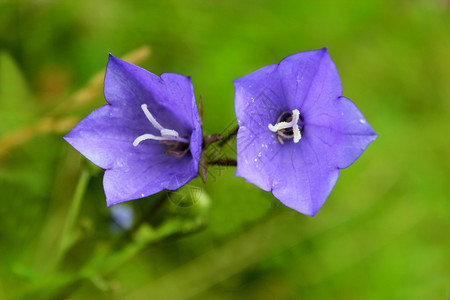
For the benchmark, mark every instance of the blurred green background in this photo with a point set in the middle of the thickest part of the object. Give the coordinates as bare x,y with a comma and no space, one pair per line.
384,232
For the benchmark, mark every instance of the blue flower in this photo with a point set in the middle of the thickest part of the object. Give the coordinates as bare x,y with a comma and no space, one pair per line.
296,130
148,137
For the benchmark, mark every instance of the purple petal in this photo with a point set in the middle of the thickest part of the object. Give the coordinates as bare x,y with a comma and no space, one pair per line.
253,150
171,95
299,175
106,136
303,177
133,172
257,100
148,175
309,77
196,139
342,129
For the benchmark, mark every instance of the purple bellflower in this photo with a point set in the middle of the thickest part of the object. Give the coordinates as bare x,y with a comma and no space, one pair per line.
296,130
148,137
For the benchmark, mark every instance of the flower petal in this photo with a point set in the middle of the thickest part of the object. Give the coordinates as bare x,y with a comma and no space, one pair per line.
309,77
258,96
132,172
303,177
342,129
196,139
170,96
258,102
106,136
253,149
148,175
299,175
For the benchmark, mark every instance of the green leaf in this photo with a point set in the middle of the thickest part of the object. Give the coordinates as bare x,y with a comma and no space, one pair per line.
16,102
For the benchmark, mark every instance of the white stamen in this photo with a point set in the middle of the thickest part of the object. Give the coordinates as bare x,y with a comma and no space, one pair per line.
166,134
292,124
295,129
279,126
169,132
150,117
147,136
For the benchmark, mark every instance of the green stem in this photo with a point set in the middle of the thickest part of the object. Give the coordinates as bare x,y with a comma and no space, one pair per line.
229,136
223,161
67,237
147,216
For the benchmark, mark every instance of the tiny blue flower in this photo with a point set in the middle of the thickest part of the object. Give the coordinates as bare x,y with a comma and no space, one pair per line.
122,217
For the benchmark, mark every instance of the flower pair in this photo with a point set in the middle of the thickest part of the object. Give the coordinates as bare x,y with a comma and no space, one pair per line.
295,131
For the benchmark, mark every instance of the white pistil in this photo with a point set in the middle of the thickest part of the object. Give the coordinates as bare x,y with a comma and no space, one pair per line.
150,117
166,134
292,124
169,132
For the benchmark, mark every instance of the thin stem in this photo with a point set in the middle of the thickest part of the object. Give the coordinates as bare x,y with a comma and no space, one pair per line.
148,215
223,161
211,139
159,203
229,136
67,234
215,137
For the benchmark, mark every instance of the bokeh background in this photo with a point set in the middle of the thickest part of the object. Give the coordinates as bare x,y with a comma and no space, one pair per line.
384,232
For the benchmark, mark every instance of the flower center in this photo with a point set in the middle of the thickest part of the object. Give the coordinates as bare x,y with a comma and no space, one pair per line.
167,135
287,126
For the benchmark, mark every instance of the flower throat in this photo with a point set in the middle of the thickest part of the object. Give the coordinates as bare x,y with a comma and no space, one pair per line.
288,126
178,146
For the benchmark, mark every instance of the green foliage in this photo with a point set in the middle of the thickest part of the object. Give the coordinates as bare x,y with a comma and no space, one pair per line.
16,102
383,233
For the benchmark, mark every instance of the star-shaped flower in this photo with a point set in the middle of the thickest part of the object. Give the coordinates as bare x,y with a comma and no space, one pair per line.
148,137
296,130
